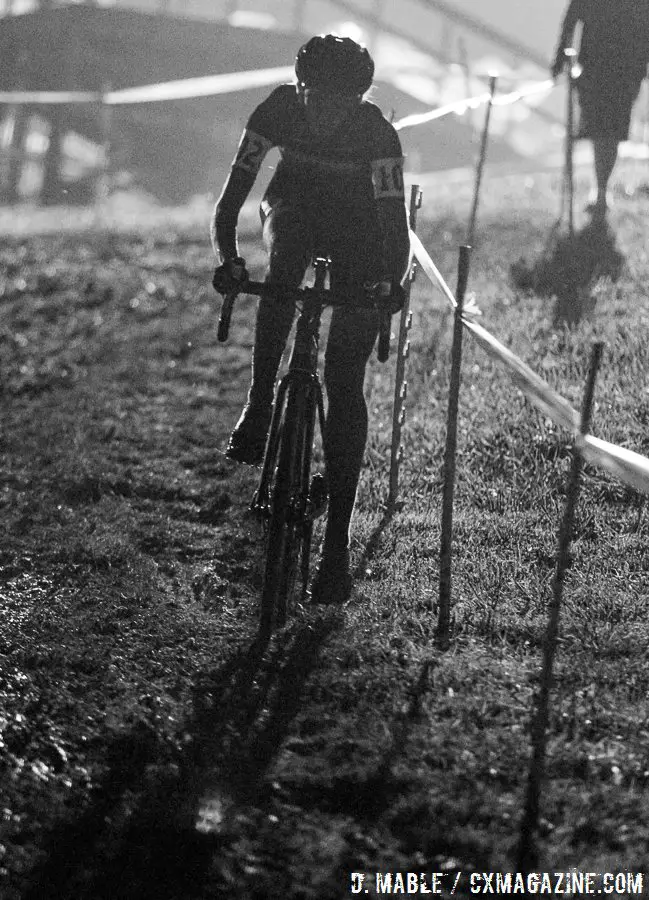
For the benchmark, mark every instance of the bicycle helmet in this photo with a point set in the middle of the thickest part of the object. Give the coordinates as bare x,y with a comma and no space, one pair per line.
334,63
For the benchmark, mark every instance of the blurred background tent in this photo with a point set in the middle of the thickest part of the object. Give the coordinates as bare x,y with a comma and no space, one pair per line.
428,53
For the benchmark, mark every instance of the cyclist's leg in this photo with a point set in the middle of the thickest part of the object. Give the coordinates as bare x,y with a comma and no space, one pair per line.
355,245
351,337
286,239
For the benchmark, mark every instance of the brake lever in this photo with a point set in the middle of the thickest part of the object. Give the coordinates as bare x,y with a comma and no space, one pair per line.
226,314
382,300
385,325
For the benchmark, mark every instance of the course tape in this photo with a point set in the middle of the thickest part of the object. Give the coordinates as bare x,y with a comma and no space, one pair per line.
228,82
532,385
207,86
461,106
48,98
184,89
628,466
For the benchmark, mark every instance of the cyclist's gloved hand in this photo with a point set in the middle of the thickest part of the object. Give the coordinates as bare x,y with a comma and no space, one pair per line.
389,291
230,275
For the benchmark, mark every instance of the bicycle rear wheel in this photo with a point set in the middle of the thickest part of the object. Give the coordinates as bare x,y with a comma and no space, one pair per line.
289,525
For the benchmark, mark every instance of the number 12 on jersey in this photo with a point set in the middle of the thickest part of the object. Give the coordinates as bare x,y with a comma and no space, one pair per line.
251,151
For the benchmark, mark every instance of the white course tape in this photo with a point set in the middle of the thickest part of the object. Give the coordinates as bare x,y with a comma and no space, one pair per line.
206,86
470,308
229,82
533,386
184,89
627,466
539,87
461,106
47,98
430,268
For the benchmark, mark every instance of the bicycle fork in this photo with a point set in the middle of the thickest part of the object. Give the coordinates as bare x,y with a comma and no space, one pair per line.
314,493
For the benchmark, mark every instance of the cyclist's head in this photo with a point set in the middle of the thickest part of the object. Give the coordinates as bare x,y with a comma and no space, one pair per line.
332,74
336,64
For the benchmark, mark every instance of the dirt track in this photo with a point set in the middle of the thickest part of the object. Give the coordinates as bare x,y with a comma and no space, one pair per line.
132,707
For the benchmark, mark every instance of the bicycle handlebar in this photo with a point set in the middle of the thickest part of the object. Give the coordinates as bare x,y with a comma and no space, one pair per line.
324,296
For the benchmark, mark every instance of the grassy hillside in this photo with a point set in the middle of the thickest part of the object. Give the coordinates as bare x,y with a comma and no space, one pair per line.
132,707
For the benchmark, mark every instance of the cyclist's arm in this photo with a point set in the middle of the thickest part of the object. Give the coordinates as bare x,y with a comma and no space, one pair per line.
387,178
259,136
252,149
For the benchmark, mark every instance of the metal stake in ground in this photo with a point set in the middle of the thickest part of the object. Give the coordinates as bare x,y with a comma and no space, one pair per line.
400,385
446,541
480,164
527,848
569,187
103,174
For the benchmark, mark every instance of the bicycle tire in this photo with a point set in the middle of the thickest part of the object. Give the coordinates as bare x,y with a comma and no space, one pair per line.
287,537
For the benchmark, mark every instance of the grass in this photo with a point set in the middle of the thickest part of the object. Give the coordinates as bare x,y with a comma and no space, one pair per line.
130,574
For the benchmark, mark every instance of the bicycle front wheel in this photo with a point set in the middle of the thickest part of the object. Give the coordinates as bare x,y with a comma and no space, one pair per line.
289,527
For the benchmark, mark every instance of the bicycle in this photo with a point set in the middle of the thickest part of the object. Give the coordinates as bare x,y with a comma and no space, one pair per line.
289,498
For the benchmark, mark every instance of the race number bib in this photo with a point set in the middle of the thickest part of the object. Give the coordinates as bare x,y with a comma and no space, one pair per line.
251,151
387,177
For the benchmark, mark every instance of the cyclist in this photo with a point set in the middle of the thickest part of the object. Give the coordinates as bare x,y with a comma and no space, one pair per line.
338,187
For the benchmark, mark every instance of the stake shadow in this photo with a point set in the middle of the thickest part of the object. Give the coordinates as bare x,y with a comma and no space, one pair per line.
569,268
373,542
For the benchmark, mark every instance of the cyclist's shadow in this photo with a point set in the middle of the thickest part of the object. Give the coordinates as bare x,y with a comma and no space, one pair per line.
162,838
243,710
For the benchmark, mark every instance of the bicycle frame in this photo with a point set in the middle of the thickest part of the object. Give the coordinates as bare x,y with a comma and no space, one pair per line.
287,497
302,373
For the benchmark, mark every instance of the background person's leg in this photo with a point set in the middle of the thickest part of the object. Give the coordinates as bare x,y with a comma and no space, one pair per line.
605,156
605,105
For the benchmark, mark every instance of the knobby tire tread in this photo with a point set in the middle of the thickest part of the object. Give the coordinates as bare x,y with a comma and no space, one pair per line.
284,539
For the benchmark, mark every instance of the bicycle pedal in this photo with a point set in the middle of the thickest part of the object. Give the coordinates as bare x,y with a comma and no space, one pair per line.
259,507
258,513
318,496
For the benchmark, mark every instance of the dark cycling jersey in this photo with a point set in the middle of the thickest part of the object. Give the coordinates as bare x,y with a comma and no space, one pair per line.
615,38
360,162
353,174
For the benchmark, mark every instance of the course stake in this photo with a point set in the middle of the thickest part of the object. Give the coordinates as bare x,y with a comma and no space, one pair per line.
527,848
446,539
103,174
480,165
569,185
403,348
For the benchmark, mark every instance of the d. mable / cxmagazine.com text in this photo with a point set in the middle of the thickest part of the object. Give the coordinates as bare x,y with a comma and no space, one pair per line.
452,883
